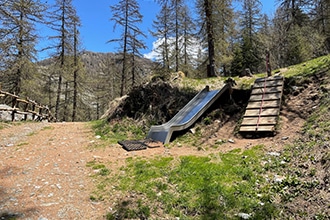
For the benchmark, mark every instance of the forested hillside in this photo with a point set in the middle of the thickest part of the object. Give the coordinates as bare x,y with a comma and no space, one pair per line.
204,39
99,82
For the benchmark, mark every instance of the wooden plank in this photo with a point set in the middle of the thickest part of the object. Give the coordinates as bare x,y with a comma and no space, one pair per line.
264,112
266,90
22,112
274,78
255,128
22,100
9,94
9,109
265,104
272,96
261,121
267,84
33,112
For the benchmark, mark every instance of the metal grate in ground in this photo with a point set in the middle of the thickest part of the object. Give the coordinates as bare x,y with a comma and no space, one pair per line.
134,145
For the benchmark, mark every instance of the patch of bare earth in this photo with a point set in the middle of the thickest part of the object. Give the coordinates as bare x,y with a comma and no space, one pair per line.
43,172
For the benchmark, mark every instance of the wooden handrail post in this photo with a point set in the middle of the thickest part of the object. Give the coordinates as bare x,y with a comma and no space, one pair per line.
14,102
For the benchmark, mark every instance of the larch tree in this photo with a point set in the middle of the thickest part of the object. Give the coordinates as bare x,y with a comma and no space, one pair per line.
63,20
292,15
136,46
250,24
321,18
127,15
188,41
18,40
76,66
177,6
174,29
224,34
163,31
209,23
217,30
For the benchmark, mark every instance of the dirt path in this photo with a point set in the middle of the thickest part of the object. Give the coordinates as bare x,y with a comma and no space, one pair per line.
43,172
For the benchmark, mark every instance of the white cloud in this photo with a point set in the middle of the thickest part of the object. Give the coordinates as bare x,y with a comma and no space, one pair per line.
153,55
194,50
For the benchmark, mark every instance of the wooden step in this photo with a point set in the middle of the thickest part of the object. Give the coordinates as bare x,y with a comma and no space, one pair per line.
259,121
272,96
257,128
264,112
264,104
267,90
268,85
267,79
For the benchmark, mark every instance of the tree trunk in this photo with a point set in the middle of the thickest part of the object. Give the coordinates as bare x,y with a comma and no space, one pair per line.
75,75
210,38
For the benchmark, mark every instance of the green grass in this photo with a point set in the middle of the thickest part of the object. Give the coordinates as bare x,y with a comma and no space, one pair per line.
6,124
47,128
125,129
309,67
304,70
190,187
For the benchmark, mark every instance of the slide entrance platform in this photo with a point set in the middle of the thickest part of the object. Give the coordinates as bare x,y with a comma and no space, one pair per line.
264,105
187,115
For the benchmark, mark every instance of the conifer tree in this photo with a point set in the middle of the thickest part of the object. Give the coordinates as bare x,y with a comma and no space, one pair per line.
210,24
218,31
250,24
188,41
63,20
224,34
321,18
163,30
18,40
126,14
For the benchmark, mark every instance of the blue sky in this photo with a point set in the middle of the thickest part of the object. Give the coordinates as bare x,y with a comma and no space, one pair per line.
97,29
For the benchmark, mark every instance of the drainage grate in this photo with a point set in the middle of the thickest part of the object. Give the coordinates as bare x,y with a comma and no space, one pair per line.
134,145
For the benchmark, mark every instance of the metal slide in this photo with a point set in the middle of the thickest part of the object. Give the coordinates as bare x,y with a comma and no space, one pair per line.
187,115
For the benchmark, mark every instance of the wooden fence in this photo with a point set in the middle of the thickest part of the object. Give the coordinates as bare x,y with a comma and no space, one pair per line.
28,108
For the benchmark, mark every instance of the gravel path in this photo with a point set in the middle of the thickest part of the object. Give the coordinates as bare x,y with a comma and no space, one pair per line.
43,172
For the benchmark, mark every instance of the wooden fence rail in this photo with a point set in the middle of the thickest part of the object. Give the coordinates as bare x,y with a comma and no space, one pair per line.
25,107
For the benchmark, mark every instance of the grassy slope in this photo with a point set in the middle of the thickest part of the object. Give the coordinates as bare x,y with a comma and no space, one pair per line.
235,185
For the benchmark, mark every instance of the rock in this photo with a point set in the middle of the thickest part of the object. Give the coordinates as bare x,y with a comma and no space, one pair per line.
285,138
276,154
244,215
278,179
193,130
231,141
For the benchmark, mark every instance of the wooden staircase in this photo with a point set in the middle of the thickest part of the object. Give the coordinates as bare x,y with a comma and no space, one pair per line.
263,109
